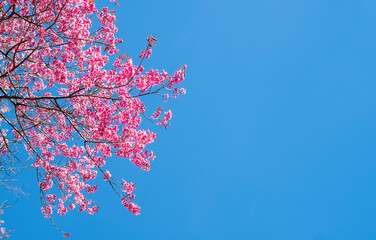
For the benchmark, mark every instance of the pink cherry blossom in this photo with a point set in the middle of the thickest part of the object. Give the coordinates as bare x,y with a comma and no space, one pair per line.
72,100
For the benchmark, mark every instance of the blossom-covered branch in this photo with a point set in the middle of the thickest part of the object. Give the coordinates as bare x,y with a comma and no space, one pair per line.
71,99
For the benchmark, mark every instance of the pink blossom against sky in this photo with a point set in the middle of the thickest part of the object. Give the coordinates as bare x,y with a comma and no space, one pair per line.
274,139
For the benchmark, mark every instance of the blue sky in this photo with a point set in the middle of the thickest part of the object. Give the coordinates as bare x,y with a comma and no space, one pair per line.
275,139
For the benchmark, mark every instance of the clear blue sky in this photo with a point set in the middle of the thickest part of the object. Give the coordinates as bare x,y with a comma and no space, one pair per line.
275,139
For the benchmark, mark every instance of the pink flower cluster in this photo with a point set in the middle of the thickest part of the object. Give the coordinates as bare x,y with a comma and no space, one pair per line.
128,188
3,232
146,54
78,98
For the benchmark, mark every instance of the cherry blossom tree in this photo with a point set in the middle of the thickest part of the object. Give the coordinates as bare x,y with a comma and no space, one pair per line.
70,99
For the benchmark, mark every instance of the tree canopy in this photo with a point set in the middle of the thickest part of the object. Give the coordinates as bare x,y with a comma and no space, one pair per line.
71,99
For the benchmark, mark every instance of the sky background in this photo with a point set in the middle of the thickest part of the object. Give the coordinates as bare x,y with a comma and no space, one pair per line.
275,139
